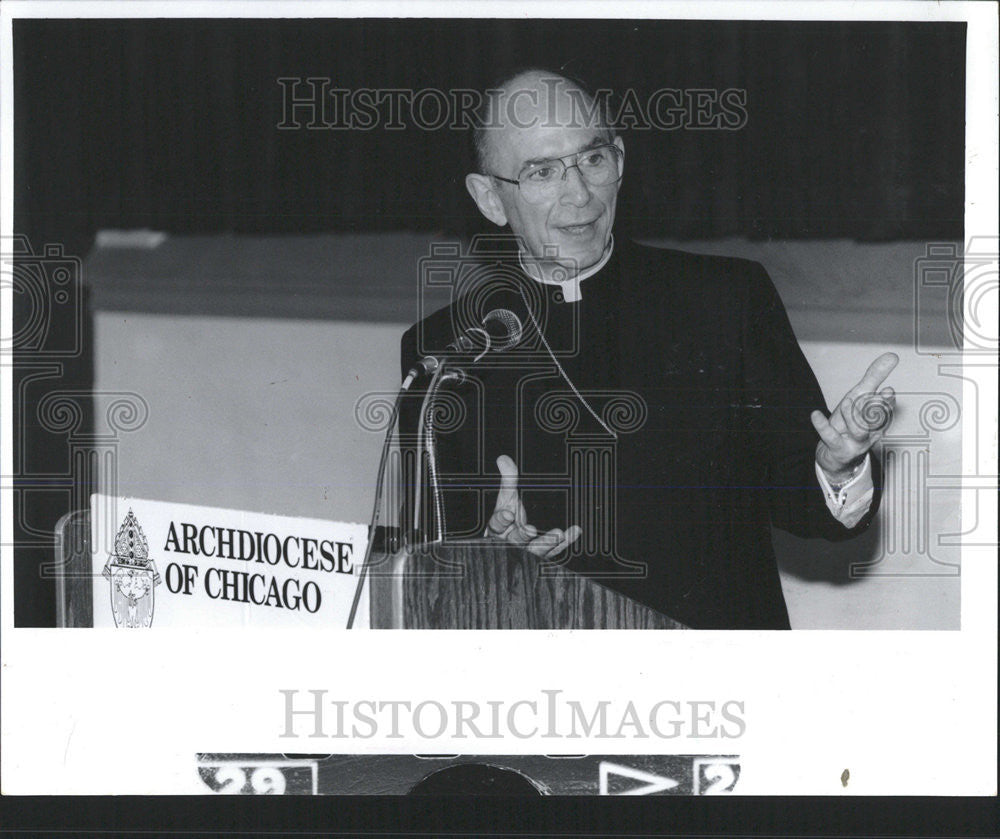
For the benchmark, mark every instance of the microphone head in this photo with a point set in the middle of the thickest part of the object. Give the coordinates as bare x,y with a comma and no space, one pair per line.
504,328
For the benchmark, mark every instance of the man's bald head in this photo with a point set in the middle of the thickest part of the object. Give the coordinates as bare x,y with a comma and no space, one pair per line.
549,130
531,97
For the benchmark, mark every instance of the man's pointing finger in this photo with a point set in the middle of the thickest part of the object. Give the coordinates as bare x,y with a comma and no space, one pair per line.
877,372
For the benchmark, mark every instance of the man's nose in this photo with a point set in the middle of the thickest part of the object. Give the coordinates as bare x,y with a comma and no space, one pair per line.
575,189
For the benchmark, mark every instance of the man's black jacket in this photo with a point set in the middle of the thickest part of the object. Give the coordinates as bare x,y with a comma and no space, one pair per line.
691,361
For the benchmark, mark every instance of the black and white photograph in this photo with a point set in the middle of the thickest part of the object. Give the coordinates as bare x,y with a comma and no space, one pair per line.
326,322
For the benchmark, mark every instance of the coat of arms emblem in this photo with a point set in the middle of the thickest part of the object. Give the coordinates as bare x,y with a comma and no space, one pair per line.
133,576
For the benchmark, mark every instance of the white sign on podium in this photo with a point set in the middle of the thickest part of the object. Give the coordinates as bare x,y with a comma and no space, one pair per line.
159,564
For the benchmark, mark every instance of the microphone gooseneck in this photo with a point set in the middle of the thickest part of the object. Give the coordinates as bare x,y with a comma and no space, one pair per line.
500,330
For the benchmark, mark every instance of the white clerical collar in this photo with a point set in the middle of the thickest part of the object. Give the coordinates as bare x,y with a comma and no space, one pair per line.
571,286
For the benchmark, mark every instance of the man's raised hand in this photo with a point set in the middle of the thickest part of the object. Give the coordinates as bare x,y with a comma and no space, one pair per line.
509,521
858,422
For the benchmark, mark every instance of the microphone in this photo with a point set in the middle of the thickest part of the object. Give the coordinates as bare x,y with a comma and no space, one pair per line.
501,330
505,328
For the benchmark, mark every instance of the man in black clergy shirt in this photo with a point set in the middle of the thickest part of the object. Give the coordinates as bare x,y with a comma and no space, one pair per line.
657,415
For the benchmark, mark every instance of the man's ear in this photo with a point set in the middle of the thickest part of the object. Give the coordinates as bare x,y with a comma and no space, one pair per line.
621,147
484,193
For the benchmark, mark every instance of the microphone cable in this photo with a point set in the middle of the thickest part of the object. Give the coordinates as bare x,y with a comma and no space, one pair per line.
559,367
376,510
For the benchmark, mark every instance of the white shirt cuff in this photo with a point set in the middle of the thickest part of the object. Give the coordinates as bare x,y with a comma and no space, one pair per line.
849,503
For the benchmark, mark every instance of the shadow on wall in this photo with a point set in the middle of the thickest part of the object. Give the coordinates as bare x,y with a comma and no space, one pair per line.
815,560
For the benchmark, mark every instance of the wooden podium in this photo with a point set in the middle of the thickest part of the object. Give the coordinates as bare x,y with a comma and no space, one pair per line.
489,585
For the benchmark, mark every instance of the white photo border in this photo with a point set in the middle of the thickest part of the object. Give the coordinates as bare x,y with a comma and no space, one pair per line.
901,710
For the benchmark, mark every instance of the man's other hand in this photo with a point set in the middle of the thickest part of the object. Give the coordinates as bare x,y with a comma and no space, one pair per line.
858,422
509,520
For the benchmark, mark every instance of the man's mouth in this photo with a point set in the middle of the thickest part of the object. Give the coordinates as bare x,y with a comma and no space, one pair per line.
578,229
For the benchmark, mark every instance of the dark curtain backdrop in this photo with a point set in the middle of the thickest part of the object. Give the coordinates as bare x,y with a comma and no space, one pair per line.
855,129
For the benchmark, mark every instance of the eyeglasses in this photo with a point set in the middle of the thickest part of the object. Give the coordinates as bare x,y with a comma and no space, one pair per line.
600,166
